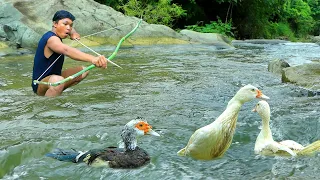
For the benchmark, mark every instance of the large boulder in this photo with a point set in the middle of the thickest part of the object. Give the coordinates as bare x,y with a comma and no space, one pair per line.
306,75
315,39
22,23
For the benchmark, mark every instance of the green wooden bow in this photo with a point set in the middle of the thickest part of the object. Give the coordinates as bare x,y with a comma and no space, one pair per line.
91,66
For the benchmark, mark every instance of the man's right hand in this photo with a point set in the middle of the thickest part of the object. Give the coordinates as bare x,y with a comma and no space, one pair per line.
100,61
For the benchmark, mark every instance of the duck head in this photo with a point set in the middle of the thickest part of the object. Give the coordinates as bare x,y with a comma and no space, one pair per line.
133,129
248,93
262,108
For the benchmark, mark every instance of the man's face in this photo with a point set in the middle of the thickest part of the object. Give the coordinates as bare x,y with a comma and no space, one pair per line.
63,27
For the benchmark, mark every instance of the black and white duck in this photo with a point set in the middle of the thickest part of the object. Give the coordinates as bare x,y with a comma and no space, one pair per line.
128,156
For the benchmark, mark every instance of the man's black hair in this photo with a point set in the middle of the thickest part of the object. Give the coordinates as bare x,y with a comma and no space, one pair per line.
62,14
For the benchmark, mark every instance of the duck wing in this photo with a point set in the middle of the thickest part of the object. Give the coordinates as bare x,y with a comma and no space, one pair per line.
206,143
276,148
292,144
118,158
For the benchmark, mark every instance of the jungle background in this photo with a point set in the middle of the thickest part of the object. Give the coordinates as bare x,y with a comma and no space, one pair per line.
240,19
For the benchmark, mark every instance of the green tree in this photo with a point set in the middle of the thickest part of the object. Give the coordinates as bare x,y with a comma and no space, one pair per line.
252,17
315,13
243,18
298,14
154,12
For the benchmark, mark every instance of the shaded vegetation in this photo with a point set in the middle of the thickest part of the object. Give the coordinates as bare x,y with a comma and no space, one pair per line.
214,27
242,19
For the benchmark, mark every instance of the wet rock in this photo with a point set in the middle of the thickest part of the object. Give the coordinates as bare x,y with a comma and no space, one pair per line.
276,66
208,38
306,75
315,39
4,52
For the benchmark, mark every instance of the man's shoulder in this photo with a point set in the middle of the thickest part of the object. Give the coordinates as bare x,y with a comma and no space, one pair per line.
48,34
45,37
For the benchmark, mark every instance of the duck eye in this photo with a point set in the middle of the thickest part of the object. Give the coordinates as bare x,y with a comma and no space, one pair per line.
252,90
140,125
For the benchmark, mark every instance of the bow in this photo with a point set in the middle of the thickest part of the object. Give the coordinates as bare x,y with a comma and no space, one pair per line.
91,66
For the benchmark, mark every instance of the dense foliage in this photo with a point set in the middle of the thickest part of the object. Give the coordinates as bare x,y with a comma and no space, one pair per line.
214,27
160,12
152,11
287,19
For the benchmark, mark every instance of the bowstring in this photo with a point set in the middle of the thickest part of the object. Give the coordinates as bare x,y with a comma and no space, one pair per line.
74,41
106,30
48,67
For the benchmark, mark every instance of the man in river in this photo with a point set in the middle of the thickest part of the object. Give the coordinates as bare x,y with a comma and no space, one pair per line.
49,57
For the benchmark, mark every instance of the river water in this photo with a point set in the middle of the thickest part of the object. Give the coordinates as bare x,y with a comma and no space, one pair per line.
177,89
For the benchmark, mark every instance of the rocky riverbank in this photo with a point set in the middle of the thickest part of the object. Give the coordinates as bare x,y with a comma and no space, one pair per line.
22,23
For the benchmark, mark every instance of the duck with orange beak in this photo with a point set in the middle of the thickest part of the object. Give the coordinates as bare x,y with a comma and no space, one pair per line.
213,140
128,155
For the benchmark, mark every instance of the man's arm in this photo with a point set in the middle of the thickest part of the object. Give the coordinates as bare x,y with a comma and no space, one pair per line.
55,45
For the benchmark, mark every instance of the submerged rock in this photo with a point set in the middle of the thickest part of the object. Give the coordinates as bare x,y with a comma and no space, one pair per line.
259,41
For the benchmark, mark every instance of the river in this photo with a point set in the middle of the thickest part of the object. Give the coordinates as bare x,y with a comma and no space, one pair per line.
177,89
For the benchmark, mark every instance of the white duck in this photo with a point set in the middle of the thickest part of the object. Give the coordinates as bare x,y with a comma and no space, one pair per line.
213,140
265,145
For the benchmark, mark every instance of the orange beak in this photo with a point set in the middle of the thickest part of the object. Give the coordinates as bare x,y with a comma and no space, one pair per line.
261,96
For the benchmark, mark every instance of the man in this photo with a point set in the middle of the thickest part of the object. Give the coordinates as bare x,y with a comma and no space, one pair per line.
49,57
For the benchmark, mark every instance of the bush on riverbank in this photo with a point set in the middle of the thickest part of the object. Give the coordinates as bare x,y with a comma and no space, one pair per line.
214,27
280,31
288,19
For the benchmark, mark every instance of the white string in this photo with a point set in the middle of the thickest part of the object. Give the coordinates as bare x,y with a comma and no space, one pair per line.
49,67
97,53
52,64
106,30
86,47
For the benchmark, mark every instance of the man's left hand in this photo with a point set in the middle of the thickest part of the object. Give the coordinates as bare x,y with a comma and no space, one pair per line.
74,35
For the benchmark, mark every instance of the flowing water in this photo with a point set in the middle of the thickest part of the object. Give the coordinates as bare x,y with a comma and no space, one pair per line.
178,89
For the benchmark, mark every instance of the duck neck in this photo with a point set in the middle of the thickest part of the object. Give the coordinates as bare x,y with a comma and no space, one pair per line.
234,103
129,139
265,131
230,115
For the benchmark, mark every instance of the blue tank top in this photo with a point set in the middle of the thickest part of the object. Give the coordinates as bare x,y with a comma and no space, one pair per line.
41,63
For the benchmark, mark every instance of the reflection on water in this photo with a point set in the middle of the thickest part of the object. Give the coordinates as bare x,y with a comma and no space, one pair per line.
177,89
